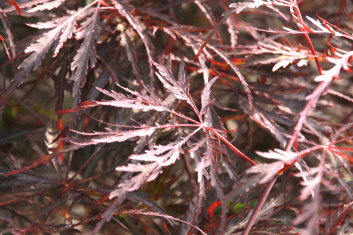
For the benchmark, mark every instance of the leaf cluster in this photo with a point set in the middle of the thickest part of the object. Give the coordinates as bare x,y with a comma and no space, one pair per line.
176,117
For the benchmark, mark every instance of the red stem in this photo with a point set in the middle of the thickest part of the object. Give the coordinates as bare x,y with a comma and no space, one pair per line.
232,147
305,29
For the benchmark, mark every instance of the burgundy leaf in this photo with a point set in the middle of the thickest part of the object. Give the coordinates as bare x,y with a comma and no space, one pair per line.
86,55
205,96
109,137
46,6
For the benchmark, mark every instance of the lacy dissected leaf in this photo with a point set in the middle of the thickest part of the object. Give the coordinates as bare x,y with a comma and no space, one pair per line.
46,6
178,89
282,64
239,7
56,37
205,96
124,9
265,122
141,102
141,123
126,42
343,62
85,56
235,69
24,4
311,215
154,161
267,171
66,34
183,82
163,154
147,173
160,157
278,154
110,136
44,43
194,210
56,22
325,27
202,164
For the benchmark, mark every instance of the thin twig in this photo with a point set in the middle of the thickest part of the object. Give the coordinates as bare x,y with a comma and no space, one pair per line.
259,206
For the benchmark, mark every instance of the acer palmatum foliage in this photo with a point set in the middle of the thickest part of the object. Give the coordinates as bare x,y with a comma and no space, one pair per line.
222,117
